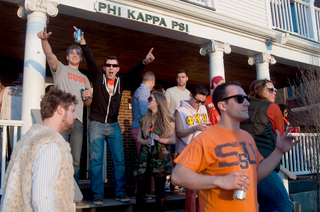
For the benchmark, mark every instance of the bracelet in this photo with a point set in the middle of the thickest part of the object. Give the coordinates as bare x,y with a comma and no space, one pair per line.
145,62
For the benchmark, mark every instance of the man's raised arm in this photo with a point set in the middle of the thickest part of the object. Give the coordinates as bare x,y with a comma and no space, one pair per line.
51,58
136,70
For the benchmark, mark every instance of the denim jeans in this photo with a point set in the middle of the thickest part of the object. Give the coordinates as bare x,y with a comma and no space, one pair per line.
75,138
272,195
98,133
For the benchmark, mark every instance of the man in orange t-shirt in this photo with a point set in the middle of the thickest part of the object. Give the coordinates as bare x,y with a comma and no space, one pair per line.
225,158
213,114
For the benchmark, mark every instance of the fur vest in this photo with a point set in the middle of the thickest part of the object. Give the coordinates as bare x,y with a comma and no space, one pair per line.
18,178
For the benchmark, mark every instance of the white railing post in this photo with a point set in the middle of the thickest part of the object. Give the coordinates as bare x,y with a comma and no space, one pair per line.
312,20
5,140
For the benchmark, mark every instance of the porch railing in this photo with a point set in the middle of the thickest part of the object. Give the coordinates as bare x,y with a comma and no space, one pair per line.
11,128
297,17
304,157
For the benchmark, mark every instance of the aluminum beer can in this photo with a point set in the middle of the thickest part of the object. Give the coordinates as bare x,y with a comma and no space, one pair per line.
239,194
78,36
81,90
152,141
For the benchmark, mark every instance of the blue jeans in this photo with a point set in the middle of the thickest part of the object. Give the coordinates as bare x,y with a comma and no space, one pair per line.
272,195
75,138
98,133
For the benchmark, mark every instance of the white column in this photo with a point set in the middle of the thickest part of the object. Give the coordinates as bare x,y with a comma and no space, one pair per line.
215,50
262,61
34,71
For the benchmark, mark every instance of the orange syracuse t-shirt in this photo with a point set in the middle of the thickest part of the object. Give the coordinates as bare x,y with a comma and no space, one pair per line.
220,152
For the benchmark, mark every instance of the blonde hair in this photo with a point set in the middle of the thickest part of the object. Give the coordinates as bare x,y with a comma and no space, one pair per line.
163,118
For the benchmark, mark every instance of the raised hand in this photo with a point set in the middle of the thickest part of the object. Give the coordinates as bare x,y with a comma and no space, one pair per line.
149,58
43,35
83,41
286,141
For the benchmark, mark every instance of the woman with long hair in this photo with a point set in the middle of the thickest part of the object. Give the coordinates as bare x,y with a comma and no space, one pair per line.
265,118
156,133
285,113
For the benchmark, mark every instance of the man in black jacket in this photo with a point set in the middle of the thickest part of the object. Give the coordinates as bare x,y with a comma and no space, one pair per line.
107,89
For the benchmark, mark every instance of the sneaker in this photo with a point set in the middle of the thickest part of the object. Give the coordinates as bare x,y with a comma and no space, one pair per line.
123,198
148,197
167,187
98,200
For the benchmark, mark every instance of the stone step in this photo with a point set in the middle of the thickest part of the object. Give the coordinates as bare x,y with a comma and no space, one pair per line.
175,202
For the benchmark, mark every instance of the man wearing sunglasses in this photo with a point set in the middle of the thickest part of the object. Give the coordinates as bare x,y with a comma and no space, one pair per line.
104,126
225,158
190,120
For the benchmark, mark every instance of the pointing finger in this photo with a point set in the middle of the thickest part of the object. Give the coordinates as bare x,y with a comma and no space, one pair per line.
150,52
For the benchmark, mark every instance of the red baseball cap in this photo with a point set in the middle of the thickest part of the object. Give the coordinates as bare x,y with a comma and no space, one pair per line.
215,79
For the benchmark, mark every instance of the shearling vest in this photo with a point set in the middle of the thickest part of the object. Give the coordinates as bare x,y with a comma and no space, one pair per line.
260,128
17,183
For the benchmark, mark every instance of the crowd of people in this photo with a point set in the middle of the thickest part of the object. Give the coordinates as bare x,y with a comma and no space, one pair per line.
210,144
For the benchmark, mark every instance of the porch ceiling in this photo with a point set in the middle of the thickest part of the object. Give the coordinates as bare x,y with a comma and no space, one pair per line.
130,47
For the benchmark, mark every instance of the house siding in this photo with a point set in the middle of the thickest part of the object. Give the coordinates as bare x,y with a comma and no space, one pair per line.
251,11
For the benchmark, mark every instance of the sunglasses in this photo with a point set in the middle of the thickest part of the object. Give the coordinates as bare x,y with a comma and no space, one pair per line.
239,98
151,98
272,89
113,65
198,101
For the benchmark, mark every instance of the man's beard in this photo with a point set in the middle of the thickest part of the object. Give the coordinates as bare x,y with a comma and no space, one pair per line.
66,124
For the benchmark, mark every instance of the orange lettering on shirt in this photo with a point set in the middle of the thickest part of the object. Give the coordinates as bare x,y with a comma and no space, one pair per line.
76,78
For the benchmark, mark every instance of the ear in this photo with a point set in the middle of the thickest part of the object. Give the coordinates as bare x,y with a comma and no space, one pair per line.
67,58
190,95
222,106
104,68
187,79
60,110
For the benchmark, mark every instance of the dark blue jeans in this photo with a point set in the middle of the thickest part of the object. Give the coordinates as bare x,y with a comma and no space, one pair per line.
272,195
75,138
98,133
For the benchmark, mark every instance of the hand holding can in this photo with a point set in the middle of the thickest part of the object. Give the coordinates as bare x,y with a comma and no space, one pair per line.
77,37
240,194
81,90
152,141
